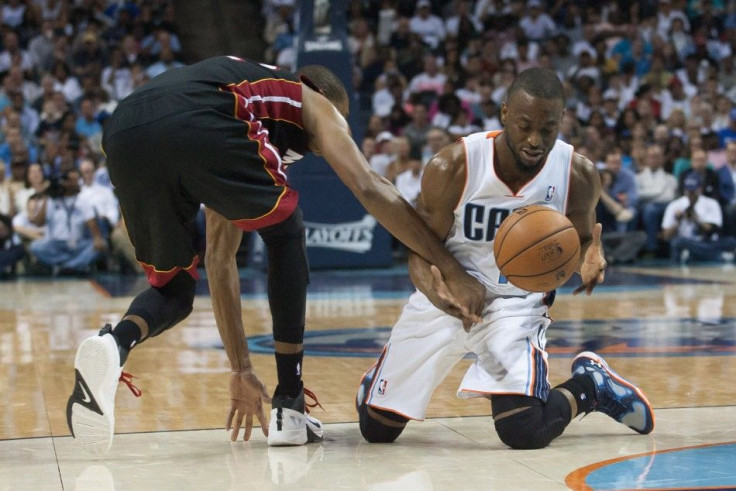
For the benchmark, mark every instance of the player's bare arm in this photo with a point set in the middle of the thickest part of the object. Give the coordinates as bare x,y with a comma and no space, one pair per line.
247,392
330,136
443,182
585,190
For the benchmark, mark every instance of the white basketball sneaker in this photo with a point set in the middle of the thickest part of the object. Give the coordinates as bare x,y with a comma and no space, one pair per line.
291,423
90,412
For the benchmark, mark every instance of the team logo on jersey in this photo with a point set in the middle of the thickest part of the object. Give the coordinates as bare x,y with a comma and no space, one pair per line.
290,157
550,193
349,236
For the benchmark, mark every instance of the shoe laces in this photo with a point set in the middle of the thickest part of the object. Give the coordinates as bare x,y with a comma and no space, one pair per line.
310,394
127,379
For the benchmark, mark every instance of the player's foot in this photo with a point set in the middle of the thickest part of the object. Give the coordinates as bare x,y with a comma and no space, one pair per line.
90,410
364,387
291,423
615,396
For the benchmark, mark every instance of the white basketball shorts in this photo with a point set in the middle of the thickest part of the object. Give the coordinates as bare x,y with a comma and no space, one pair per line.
426,343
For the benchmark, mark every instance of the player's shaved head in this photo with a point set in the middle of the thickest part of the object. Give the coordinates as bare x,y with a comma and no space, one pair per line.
538,82
326,82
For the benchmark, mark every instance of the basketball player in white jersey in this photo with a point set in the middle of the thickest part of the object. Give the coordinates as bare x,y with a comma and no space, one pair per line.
468,188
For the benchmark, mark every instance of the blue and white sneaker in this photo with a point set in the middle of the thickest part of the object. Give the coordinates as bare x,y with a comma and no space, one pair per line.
615,396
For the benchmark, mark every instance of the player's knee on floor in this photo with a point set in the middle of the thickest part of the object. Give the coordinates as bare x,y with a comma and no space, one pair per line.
378,426
520,422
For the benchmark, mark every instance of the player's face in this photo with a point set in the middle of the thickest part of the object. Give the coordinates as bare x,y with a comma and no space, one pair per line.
531,126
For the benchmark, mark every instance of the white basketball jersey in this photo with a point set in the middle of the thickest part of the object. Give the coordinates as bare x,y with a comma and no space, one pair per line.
487,200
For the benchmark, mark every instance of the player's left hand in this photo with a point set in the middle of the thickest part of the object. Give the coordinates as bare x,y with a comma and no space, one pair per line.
593,269
247,395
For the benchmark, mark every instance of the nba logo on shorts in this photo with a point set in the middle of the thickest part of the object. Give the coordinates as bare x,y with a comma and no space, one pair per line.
550,193
382,386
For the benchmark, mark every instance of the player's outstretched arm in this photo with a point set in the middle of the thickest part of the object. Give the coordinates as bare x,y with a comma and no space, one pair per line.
247,392
330,136
442,186
585,190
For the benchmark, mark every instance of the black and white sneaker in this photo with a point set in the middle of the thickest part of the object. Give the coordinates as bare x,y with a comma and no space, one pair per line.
291,423
90,412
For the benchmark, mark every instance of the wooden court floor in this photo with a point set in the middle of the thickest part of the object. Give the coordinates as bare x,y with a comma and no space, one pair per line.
671,330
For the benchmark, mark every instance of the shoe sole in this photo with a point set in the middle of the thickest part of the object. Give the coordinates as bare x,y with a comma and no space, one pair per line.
622,381
90,420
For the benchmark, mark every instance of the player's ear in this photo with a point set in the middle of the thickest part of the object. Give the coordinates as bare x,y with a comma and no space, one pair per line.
504,113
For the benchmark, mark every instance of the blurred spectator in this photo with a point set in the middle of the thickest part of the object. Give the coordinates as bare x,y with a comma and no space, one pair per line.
728,134
30,201
88,56
13,55
430,83
123,249
709,182
691,224
427,25
73,241
437,138
381,159
87,125
66,83
29,119
536,24
623,191
463,26
409,181
11,250
7,196
101,197
165,62
13,13
620,245
656,189
416,131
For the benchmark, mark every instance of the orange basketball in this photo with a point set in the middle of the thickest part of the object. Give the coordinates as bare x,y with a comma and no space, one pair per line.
537,248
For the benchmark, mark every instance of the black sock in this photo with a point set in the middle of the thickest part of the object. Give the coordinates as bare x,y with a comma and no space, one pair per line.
289,370
582,388
127,333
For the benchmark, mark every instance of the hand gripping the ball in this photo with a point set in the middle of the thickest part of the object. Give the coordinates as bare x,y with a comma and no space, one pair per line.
247,395
593,269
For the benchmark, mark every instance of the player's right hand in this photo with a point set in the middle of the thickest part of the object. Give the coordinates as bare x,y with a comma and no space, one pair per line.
462,297
247,395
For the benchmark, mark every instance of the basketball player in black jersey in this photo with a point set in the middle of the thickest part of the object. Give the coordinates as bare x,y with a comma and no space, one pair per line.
221,132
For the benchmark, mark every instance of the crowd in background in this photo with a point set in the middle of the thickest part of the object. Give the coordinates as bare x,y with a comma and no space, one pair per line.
650,99
650,91
64,65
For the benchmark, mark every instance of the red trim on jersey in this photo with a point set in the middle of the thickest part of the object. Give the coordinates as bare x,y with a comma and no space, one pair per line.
284,208
159,278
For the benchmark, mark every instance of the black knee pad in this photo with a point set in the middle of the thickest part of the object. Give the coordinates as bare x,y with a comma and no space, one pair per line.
533,427
166,306
288,277
376,432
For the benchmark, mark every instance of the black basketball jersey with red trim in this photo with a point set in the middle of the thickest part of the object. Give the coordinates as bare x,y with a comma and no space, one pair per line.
247,90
